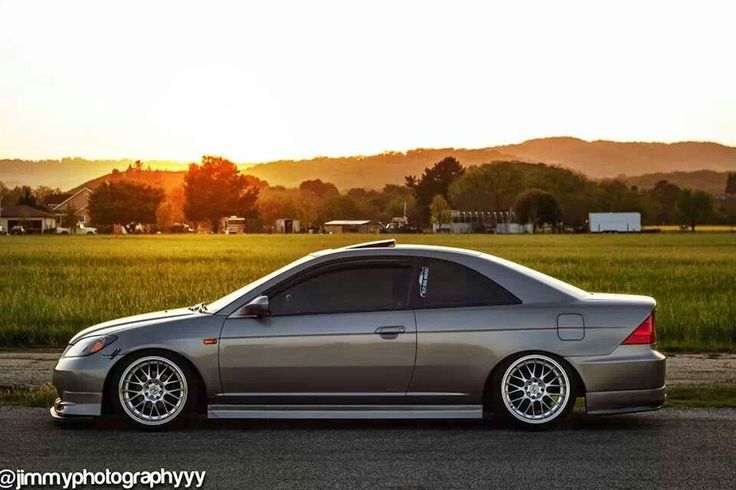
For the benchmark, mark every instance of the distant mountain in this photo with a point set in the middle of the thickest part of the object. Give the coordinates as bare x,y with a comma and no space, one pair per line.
597,159
371,172
704,180
610,158
67,172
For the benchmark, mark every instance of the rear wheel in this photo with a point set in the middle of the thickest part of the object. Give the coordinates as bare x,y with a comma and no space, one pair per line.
153,391
534,390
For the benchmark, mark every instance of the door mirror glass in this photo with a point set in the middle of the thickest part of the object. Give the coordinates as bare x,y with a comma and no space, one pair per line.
257,307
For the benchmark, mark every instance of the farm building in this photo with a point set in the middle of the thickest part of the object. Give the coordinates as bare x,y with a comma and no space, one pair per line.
352,226
482,222
33,220
614,222
235,225
62,204
287,225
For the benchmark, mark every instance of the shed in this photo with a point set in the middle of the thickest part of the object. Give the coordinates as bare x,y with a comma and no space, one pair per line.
352,226
288,225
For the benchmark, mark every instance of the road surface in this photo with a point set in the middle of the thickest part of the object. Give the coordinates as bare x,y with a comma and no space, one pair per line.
667,449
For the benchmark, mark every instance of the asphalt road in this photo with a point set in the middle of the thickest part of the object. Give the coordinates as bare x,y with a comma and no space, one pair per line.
668,449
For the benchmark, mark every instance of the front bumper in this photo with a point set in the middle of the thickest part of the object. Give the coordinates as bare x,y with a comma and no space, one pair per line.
80,383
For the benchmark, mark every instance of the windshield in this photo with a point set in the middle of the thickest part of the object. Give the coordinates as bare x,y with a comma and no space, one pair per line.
219,304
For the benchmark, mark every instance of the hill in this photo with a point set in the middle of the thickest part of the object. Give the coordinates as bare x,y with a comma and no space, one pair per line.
370,172
705,180
67,173
600,158
165,179
596,159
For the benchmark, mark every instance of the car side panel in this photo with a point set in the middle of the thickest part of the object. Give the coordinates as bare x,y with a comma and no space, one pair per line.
457,348
322,354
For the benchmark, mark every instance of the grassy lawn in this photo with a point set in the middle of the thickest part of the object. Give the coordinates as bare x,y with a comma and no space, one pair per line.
53,286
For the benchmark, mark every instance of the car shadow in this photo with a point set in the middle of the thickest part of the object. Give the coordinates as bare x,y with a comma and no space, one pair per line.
578,421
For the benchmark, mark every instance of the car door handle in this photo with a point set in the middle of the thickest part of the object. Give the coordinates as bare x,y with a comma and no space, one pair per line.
390,332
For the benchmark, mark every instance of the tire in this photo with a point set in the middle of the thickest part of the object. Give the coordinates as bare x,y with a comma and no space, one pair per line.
154,390
534,390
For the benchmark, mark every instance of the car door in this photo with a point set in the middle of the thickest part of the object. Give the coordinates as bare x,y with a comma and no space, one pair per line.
460,315
342,333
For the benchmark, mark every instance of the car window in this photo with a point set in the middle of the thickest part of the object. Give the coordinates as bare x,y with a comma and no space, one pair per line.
444,284
350,289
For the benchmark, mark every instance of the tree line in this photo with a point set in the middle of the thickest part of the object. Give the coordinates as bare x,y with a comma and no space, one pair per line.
539,194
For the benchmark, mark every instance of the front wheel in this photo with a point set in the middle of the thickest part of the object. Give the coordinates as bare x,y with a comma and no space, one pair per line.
534,390
154,390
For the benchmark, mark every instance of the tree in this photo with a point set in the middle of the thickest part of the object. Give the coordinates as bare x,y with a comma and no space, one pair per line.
537,207
216,189
125,202
489,187
440,210
27,197
338,207
43,191
435,180
70,219
694,207
665,195
317,188
731,184
165,216
273,205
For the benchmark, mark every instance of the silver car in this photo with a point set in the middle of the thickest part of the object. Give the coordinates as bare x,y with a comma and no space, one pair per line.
379,331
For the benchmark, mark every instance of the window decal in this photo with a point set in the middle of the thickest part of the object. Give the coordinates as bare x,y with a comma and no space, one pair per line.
423,279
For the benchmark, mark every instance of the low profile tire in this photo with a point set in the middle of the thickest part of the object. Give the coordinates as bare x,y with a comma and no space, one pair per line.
154,391
534,390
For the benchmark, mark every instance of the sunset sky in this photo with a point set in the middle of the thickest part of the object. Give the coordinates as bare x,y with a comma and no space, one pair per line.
265,80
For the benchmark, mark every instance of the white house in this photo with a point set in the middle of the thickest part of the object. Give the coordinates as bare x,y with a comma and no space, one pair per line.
31,219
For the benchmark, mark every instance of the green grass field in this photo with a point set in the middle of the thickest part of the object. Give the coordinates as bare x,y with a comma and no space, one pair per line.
53,286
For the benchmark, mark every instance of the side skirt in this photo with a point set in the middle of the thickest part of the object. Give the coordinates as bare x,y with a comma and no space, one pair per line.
345,412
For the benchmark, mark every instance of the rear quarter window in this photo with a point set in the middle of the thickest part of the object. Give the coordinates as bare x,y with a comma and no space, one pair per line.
445,284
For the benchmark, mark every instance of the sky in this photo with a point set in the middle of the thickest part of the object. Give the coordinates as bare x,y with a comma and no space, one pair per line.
257,81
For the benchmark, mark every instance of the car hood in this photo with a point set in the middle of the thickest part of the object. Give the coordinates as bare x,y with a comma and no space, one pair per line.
133,321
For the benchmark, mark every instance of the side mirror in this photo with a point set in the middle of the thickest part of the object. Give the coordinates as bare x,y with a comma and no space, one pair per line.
257,307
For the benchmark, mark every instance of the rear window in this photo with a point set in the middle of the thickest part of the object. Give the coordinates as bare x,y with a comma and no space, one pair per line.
444,284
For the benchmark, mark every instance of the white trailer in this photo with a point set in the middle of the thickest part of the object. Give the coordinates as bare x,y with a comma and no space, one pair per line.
614,222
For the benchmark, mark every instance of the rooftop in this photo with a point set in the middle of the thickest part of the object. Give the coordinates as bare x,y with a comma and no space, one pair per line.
56,199
350,222
23,211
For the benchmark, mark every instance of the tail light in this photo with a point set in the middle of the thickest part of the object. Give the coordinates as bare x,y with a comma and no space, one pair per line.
644,333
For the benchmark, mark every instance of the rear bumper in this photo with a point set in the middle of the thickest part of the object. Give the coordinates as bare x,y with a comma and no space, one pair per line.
629,379
628,367
627,401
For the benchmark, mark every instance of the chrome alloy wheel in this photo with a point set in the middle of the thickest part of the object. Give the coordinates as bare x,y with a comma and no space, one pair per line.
535,389
153,390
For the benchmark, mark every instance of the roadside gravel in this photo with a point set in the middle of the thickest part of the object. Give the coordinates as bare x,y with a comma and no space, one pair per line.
23,369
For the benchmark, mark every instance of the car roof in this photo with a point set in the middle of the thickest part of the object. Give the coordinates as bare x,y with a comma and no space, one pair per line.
389,247
383,247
